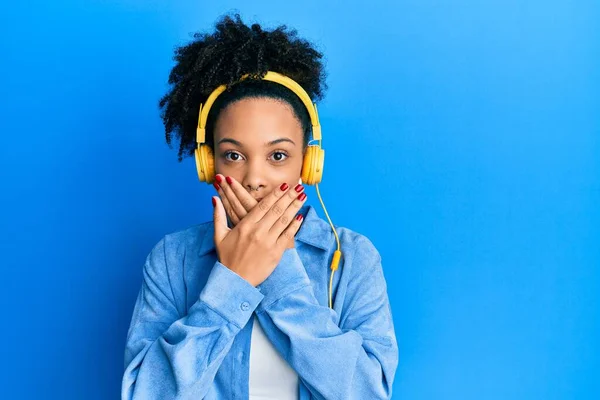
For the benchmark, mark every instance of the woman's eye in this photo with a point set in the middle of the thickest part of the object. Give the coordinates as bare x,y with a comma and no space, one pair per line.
236,156
231,156
279,156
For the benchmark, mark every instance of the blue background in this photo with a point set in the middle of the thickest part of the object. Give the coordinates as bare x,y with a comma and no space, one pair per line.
462,137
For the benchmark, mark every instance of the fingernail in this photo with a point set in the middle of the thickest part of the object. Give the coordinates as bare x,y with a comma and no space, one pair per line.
299,217
298,188
283,186
228,179
218,178
216,185
214,202
302,196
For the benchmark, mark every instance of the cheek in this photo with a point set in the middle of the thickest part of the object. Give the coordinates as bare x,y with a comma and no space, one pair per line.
222,165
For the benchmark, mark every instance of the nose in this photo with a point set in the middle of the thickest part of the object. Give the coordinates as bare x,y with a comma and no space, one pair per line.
253,180
251,188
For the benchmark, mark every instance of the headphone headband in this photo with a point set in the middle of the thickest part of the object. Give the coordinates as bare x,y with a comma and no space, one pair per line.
270,76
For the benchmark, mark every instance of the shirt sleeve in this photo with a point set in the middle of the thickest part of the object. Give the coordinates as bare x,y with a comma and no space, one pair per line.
169,356
356,360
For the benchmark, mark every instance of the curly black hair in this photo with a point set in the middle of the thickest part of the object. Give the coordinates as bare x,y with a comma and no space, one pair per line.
222,57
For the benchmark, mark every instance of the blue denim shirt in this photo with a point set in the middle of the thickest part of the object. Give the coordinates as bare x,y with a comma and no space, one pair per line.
191,327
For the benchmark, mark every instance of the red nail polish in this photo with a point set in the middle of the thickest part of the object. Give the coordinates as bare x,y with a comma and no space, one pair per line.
218,178
302,196
214,202
299,217
228,179
216,185
298,188
283,186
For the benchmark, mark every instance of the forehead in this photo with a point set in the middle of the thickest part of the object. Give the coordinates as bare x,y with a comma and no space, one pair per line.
257,121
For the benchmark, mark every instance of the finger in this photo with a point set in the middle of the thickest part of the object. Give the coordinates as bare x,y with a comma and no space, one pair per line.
290,212
245,199
218,180
220,220
278,223
234,202
229,210
288,234
258,212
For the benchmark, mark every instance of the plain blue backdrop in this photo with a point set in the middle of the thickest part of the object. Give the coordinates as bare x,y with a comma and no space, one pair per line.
461,137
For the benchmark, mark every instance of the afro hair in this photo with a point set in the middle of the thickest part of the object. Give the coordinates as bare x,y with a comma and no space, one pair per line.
221,58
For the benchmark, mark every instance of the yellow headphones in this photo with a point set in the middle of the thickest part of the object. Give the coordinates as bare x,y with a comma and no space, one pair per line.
314,157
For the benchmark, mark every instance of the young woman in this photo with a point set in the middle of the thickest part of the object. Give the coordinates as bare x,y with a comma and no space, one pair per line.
244,306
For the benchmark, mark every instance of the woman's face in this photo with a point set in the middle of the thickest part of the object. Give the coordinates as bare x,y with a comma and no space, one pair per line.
259,143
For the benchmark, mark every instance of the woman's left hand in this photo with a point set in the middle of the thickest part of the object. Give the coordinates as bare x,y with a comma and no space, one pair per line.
236,200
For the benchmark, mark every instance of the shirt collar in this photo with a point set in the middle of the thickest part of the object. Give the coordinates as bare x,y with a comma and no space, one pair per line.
314,231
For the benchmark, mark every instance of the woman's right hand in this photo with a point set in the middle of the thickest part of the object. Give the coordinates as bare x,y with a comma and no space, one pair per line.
253,248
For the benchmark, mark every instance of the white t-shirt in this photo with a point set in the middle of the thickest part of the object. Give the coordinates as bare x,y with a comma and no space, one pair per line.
271,377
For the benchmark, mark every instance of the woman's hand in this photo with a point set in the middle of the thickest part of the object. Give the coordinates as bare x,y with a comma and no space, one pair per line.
254,247
237,201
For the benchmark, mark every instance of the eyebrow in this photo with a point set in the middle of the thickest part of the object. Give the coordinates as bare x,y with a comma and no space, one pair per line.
271,143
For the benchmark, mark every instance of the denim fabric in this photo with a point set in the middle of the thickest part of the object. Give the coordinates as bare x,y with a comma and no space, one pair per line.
190,332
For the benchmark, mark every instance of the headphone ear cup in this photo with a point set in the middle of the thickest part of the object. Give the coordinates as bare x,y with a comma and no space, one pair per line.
205,163
312,166
319,164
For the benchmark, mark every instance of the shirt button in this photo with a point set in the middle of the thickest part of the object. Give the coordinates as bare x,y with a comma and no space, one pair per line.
245,306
